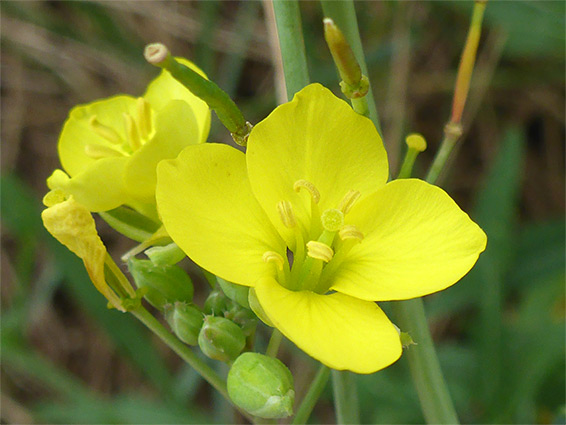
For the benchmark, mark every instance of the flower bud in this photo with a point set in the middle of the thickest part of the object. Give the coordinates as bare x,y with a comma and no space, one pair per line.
221,339
262,386
185,321
216,303
236,293
243,317
163,284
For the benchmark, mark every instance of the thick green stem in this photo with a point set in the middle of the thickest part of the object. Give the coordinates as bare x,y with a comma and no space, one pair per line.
288,20
184,352
312,395
345,397
343,14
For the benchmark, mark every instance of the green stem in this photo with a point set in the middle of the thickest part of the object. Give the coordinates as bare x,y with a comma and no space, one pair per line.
288,20
312,395
274,343
345,397
184,352
343,14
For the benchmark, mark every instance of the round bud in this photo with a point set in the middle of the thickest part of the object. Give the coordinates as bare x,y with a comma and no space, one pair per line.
243,317
236,293
221,339
185,321
261,385
216,303
162,284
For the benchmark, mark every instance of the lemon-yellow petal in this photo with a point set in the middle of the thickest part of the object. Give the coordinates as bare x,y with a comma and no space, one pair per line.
319,138
340,331
175,128
206,204
416,241
165,88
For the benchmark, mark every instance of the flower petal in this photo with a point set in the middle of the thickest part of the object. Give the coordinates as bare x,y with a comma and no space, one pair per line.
165,88
207,206
417,241
319,138
342,332
77,132
175,128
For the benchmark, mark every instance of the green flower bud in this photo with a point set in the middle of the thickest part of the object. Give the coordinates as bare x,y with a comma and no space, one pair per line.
216,303
185,321
236,293
243,317
262,386
221,339
162,284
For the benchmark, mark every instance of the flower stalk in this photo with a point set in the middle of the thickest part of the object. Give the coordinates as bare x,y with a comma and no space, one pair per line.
311,397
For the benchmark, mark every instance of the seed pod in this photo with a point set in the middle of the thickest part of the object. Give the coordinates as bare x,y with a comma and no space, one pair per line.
221,339
262,386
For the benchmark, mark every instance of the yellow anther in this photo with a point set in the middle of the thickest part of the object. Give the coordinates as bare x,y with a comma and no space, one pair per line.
320,251
416,141
275,258
305,184
144,117
348,201
350,231
132,132
286,211
332,220
101,151
104,131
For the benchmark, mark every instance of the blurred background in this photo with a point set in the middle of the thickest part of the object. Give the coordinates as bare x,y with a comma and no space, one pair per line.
500,332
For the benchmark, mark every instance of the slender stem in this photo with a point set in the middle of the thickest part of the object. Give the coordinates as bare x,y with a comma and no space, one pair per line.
288,20
345,397
311,397
274,343
185,353
343,14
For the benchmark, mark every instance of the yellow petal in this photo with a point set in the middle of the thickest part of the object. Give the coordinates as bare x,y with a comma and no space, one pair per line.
319,138
73,226
175,128
416,241
100,187
77,131
340,331
206,204
165,88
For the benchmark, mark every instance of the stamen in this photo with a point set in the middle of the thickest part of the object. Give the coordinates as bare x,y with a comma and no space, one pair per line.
332,220
144,117
320,251
101,151
275,258
132,132
305,184
350,231
286,211
104,131
348,201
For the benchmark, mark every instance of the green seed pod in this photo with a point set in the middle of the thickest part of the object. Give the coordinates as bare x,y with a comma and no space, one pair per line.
262,386
163,284
216,303
185,321
236,293
221,339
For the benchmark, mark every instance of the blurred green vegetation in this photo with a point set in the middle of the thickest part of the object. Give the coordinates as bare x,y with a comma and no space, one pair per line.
500,332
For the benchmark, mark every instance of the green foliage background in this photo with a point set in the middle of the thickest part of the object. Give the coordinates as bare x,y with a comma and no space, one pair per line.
500,332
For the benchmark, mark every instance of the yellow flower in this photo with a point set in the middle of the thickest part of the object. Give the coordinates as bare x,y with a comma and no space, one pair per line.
308,220
110,148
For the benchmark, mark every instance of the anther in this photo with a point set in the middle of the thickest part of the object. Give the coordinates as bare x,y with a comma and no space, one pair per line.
101,151
332,220
286,211
348,201
275,258
305,184
144,117
350,231
320,251
104,131
132,132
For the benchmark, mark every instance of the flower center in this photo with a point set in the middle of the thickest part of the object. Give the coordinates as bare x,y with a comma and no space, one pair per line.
316,260
138,130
